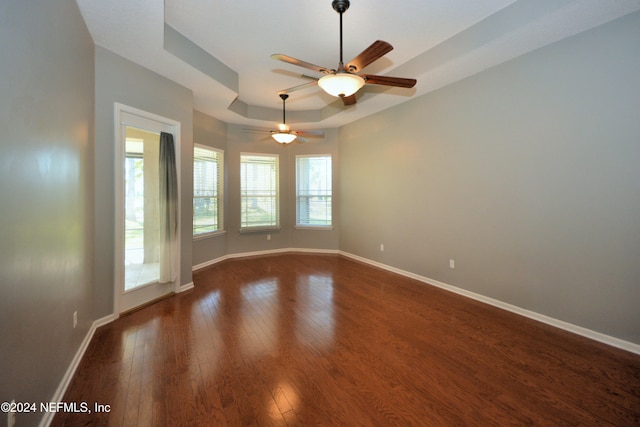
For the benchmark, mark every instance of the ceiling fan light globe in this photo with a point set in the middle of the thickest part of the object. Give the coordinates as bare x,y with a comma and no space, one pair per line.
341,84
283,137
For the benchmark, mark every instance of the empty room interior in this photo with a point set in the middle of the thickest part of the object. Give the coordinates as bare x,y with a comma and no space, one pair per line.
201,226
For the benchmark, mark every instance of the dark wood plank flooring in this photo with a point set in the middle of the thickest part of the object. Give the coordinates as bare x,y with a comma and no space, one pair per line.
300,339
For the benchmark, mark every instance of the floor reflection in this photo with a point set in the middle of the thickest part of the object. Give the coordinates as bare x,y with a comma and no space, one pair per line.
315,314
207,323
264,327
257,329
282,400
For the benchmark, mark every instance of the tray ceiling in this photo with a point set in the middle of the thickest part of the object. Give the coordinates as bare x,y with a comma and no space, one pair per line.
221,49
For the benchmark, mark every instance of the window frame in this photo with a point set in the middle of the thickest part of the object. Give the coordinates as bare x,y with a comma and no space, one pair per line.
277,196
220,193
298,224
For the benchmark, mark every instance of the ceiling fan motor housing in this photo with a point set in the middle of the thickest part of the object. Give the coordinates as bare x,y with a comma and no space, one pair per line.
343,81
340,6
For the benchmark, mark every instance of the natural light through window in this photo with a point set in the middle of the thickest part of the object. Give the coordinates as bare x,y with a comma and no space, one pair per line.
207,190
313,191
259,195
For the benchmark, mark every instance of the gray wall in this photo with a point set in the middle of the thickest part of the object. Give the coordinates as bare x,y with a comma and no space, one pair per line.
526,174
120,80
46,179
213,133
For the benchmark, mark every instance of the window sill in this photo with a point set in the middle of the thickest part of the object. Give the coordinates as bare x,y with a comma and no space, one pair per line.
207,235
259,229
314,227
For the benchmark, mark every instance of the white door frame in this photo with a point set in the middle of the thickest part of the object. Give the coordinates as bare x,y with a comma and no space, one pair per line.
130,116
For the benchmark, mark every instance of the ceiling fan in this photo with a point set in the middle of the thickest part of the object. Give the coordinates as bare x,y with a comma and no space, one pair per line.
284,134
343,81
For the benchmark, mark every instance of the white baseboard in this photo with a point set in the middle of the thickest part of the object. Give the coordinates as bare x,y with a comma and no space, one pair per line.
578,330
58,396
266,252
316,251
185,287
208,263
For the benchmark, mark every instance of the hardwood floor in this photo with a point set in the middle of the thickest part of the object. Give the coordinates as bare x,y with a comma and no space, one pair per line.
302,339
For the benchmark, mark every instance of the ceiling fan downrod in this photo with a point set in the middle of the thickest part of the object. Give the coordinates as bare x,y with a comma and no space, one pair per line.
341,7
284,97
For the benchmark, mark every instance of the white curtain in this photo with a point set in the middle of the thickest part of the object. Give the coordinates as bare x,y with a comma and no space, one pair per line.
168,204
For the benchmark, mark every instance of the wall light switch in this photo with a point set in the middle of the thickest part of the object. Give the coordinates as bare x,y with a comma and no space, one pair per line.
452,264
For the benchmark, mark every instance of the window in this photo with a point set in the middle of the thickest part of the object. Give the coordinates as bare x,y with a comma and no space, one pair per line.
259,191
313,190
207,190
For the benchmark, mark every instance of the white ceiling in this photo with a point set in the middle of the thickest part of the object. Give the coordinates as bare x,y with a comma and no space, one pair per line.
437,42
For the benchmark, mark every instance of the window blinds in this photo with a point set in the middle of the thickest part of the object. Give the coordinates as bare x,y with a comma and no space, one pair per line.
259,191
207,190
313,190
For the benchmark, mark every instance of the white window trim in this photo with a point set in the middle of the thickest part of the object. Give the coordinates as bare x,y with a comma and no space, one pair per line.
314,227
221,230
258,229
319,227
209,234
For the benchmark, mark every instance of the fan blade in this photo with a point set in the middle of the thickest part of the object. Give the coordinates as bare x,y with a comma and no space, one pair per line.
255,130
302,86
349,100
308,132
300,139
388,81
377,50
298,62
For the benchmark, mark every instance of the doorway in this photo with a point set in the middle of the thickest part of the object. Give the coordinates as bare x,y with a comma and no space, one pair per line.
140,257
141,217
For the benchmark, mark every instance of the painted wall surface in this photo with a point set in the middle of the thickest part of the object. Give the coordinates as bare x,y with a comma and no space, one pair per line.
526,175
120,80
46,187
213,133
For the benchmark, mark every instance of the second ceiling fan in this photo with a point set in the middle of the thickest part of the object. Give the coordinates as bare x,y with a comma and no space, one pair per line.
284,134
343,81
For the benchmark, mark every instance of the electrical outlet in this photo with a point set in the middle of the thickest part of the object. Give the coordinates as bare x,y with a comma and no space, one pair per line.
452,264
75,319
268,236
11,415
381,247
